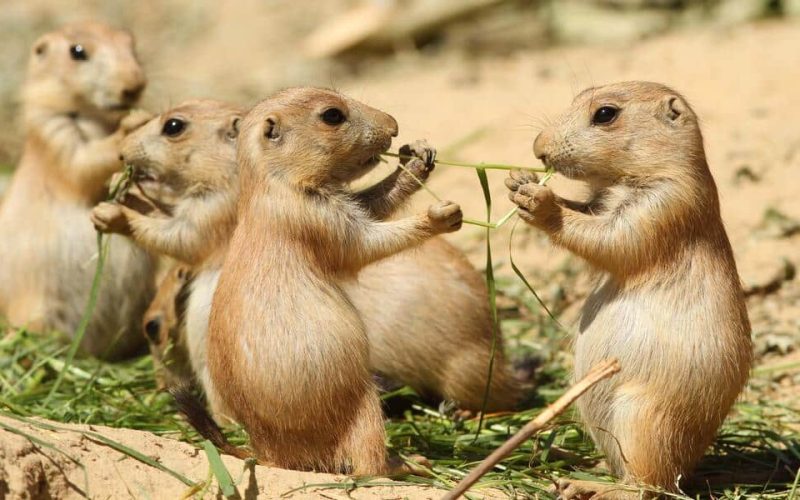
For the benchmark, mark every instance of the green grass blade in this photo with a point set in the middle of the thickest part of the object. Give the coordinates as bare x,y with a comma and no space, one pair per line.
477,166
419,181
525,280
102,251
491,225
793,493
546,177
506,217
94,436
480,223
137,455
44,444
220,472
40,442
114,192
351,484
492,289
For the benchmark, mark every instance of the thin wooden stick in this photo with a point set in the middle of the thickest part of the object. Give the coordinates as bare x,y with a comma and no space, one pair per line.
601,371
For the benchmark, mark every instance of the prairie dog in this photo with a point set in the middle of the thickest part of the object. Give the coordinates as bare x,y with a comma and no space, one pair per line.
162,328
186,157
183,166
287,351
185,171
668,303
82,80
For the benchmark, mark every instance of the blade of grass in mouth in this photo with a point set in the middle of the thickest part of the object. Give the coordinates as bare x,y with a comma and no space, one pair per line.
482,165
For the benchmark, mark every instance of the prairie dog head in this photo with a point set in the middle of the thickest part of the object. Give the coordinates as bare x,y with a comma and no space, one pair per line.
160,322
623,130
163,327
313,137
86,68
185,151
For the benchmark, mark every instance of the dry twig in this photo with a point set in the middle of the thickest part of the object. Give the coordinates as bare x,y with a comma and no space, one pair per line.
601,371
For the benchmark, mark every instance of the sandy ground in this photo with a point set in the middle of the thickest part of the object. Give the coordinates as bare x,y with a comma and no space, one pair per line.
34,470
743,83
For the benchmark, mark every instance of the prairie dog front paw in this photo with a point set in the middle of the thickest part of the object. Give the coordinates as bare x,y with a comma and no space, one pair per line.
536,203
445,217
517,178
418,158
109,218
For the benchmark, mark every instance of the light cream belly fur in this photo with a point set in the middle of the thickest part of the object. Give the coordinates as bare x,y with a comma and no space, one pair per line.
672,358
53,261
198,310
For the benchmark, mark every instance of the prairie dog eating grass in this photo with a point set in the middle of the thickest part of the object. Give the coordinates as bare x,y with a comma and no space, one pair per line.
668,303
82,79
288,352
185,162
183,205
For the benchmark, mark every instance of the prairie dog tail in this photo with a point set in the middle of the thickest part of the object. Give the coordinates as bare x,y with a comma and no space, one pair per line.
199,418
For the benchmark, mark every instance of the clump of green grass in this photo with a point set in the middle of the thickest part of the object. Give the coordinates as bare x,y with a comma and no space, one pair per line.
90,391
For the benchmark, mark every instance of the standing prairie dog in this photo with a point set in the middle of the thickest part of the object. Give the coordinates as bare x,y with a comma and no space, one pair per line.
185,159
81,81
287,350
668,303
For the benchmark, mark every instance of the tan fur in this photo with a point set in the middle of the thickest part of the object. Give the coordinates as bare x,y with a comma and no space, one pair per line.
287,351
432,294
668,303
162,327
72,112
438,300
188,184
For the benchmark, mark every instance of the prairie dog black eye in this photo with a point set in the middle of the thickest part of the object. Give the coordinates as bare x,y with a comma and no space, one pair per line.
333,116
605,115
78,53
173,127
152,329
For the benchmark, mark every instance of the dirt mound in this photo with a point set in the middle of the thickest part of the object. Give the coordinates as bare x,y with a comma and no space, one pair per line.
45,459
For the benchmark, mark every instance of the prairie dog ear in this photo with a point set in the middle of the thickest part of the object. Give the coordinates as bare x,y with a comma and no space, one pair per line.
673,109
272,129
231,130
41,46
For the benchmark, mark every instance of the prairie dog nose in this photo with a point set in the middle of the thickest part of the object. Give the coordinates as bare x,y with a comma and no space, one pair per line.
131,94
539,146
393,128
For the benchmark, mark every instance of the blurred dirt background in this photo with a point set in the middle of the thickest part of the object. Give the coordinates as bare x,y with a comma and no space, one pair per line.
478,79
